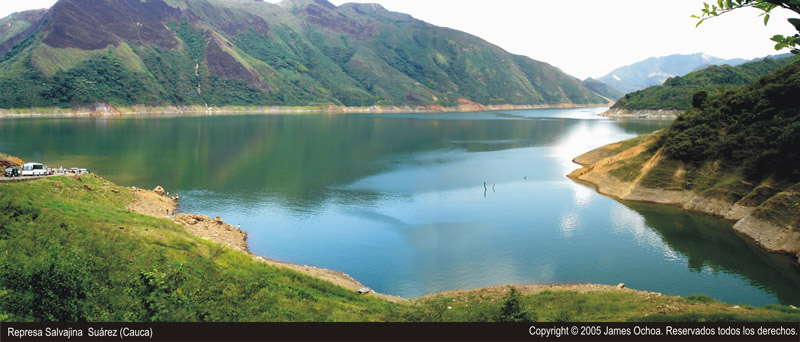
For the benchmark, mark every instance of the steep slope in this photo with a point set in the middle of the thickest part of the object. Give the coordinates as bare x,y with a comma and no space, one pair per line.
241,52
601,88
17,23
17,27
677,92
656,70
734,156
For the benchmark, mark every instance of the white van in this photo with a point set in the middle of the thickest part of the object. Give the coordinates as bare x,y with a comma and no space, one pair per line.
34,169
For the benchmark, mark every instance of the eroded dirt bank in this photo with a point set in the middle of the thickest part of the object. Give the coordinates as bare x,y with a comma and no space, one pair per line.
596,171
663,114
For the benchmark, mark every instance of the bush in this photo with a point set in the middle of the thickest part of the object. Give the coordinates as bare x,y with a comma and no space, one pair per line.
53,288
512,310
700,298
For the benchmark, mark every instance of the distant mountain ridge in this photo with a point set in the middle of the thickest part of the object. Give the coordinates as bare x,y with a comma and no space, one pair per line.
656,70
246,52
677,92
602,88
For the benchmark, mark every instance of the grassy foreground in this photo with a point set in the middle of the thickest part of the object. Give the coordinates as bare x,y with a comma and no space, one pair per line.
71,251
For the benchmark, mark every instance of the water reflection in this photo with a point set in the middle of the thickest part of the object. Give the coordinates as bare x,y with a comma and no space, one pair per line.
712,247
298,157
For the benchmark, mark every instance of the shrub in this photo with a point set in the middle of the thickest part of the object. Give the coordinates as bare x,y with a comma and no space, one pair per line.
512,310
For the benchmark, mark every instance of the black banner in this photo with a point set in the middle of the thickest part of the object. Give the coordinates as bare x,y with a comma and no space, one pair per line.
400,331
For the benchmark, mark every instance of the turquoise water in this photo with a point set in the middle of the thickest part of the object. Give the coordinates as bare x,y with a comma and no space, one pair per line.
398,200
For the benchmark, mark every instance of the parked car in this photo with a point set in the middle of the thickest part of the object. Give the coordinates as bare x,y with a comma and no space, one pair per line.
33,169
11,172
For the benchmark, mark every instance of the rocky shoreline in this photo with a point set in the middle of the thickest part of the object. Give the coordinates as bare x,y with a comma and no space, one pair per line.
595,172
108,110
662,114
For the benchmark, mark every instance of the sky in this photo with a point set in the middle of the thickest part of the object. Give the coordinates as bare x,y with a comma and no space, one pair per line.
585,38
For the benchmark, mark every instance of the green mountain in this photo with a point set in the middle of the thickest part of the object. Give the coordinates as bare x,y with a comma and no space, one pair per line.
245,52
677,92
755,128
656,70
602,88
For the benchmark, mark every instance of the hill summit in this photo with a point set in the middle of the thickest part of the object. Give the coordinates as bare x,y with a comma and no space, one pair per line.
246,52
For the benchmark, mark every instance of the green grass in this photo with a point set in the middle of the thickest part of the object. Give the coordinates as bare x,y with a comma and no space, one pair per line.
50,60
601,306
595,155
626,144
73,252
782,209
730,189
760,194
631,168
18,26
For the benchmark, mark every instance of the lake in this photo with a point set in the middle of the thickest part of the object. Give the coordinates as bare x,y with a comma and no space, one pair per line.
411,204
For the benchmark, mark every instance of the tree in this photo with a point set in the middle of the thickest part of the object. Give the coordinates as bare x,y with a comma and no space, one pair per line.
512,310
699,99
781,42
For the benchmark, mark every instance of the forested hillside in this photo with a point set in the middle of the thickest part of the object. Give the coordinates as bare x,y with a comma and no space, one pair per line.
677,92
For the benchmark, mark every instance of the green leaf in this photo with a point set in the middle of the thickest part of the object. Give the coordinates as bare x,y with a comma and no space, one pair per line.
699,22
766,19
719,2
766,7
795,22
778,38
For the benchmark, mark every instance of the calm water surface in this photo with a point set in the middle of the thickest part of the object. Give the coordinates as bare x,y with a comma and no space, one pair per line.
398,200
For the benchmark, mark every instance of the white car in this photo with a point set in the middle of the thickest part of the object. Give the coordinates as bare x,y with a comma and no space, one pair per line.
34,169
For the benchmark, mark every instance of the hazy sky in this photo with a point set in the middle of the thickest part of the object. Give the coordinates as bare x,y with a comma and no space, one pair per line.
583,37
